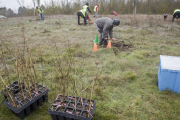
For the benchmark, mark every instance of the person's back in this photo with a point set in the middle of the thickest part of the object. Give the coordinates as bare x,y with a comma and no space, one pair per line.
176,14
86,7
176,10
105,26
104,22
39,10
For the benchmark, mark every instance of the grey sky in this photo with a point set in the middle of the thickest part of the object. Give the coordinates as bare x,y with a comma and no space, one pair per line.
13,4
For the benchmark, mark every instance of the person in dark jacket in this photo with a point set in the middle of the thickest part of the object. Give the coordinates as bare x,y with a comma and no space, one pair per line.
165,17
105,26
86,7
176,14
82,13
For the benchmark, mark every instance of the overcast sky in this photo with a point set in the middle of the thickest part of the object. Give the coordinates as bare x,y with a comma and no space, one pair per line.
14,5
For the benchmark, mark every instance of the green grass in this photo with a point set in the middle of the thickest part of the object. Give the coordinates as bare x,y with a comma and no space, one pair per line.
127,88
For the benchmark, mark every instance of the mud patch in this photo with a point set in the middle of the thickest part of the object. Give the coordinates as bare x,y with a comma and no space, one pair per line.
119,45
122,46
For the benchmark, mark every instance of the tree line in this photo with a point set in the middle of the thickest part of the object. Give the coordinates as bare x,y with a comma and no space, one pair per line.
106,7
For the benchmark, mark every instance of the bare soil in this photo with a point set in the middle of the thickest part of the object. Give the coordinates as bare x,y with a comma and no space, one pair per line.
85,114
92,102
60,109
20,99
86,107
64,103
122,46
79,106
77,112
66,98
71,104
25,101
69,110
17,95
74,99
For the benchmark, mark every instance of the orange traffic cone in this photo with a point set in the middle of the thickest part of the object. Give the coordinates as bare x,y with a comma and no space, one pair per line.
95,47
109,44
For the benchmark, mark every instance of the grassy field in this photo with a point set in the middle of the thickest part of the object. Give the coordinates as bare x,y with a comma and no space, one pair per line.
127,84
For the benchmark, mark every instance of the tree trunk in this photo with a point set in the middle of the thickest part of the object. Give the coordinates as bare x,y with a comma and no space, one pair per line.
134,11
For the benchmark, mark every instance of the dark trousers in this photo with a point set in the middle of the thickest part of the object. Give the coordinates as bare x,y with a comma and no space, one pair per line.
79,14
100,30
176,15
165,17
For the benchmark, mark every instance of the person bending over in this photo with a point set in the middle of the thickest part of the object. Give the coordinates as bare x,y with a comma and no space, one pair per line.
176,14
105,26
82,13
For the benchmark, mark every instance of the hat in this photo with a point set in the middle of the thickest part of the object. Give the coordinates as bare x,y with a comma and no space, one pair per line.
87,4
97,4
116,22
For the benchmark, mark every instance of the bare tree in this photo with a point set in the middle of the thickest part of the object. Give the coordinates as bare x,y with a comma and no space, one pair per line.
34,4
134,7
38,2
106,6
21,2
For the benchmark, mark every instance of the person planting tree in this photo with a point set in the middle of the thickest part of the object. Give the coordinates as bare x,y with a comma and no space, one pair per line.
86,7
176,14
41,12
82,13
105,26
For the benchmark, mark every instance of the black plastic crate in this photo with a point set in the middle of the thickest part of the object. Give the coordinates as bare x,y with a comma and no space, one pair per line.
23,107
64,109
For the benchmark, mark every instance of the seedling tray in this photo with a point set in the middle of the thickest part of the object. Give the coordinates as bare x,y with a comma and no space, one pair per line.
24,107
63,108
12,87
